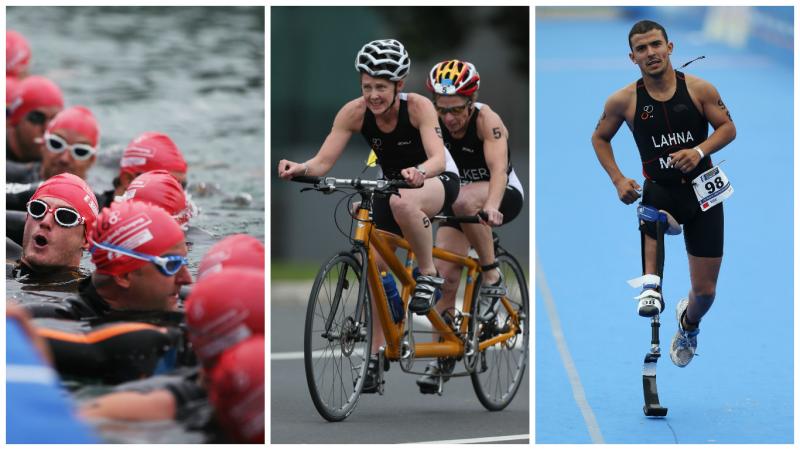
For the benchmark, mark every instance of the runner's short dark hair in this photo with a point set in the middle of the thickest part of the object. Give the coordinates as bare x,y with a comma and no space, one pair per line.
643,26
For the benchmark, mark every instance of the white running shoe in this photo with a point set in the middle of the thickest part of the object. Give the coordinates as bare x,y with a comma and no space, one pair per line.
650,303
684,343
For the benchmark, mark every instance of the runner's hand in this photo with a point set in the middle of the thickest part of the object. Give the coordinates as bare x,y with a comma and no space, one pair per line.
290,169
685,160
413,177
628,190
494,218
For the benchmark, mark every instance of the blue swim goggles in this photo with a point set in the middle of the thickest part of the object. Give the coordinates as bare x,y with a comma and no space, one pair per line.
168,265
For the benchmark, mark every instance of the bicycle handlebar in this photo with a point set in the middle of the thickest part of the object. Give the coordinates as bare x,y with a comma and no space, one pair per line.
331,183
464,219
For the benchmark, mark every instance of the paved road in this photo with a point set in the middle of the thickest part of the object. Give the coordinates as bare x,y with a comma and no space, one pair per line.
401,415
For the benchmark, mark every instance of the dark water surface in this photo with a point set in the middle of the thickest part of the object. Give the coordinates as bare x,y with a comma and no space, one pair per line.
194,73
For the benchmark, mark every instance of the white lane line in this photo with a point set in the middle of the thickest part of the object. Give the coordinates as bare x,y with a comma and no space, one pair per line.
286,356
481,440
337,353
566,357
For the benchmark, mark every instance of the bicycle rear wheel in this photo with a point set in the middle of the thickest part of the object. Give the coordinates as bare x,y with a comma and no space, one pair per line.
500,368
338,334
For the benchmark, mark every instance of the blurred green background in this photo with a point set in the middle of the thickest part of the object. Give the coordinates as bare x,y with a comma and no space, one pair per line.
312,76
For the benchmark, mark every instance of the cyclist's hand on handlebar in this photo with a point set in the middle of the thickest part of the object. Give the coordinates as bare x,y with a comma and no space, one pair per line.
413,177
492,217
289,169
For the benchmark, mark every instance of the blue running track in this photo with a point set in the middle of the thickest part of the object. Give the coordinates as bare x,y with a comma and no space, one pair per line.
590,342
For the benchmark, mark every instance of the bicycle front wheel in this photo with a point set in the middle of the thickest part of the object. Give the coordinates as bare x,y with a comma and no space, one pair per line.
338,333
500,368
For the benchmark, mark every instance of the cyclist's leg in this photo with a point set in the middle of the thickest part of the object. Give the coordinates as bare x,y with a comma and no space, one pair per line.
470,201
411,210
449,237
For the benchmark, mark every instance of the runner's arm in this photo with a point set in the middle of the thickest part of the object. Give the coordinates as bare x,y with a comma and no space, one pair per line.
607,127
718,115
720,118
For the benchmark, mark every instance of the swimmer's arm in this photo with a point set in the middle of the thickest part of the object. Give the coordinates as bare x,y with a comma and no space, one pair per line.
423,116
718,115
495,149
131,406
610,120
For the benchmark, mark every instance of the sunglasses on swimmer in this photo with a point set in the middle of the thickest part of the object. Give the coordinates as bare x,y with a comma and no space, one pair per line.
57,144
168,265
453,109
66,217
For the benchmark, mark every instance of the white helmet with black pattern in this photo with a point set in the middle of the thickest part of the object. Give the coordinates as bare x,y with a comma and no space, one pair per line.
384,58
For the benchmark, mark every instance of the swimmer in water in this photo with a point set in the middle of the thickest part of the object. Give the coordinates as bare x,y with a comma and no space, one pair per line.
148,151
70,146
29,108
59,219
160,188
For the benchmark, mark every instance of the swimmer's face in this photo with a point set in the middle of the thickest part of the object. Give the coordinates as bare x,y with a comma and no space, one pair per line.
64,162
151,290
454,110
650,51
30,131
378,93
46,245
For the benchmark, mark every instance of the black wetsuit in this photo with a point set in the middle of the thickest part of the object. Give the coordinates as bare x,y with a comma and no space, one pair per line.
90,306
471,160
661,128
99,342
66,278
17,172
399,149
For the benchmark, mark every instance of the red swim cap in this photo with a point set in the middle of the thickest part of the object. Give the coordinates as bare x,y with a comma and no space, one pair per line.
236,390
137,226
78,119
161,189
73,190
152,151
238,250
11,84
18,54
31,93
223,309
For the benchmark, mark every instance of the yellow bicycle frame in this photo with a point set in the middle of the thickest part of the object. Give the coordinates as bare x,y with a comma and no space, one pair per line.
384,244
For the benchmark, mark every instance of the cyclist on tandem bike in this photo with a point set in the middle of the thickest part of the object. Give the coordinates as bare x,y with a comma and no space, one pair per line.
478,141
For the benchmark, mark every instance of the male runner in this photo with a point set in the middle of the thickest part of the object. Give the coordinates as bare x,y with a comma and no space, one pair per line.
668,113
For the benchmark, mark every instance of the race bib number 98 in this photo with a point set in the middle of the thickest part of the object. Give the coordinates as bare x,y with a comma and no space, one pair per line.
711,188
